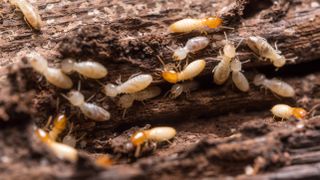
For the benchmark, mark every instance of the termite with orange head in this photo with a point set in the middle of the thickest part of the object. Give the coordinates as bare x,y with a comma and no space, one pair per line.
238,77
59,125
53,75
261,47
189,72
88,69
193,45
132,85
91,111
185,87
287,112
127,100
30,13
157,134
188,25
276,86
62,151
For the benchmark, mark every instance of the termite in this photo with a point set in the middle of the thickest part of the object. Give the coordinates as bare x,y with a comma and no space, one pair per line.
62,151
276,86
261,47
193,45
132,85
59,124
238,77
188,25
157,134
127,100
53,75
222,71
191,70
90,110
186,87
88,69
287,112
31,14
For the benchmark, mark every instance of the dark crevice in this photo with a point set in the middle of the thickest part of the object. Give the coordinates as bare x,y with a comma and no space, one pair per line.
256,6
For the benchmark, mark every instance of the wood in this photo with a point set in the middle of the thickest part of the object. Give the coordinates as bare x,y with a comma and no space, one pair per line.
127,37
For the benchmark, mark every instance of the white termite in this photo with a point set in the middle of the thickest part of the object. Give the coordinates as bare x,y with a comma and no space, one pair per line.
132,85
30,13
261,47
53,75
238,77
222,71
193,45
185,87
90,110
276,86
127,100
88,69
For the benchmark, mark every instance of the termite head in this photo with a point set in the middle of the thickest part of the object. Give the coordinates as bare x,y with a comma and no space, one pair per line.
176,91
126,101
213,22
139,138
299,113
43,136
171,76
75,98
252,43
229,50
67,65
280,61
111,90
259,79
37,62
60,121
236,65
180,54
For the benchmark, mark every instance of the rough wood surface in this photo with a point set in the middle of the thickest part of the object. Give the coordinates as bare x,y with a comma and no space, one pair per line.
127,36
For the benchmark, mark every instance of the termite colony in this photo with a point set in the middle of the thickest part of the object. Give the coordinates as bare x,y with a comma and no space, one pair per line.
139,87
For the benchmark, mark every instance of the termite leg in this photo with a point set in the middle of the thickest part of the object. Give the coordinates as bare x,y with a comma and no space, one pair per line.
134,75
58,104
119,81
137,151
25,19
91,97
46,127
124,113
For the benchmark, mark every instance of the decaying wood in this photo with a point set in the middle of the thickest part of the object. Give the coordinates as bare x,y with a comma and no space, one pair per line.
127,37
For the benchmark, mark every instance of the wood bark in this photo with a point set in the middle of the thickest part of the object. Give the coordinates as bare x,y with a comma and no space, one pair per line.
127,37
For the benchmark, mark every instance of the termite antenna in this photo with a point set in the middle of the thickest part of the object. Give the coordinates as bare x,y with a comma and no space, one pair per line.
64,96
225,35
239,43
99,82
79,85
46,127
226,27
170,48
161,61
312,111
